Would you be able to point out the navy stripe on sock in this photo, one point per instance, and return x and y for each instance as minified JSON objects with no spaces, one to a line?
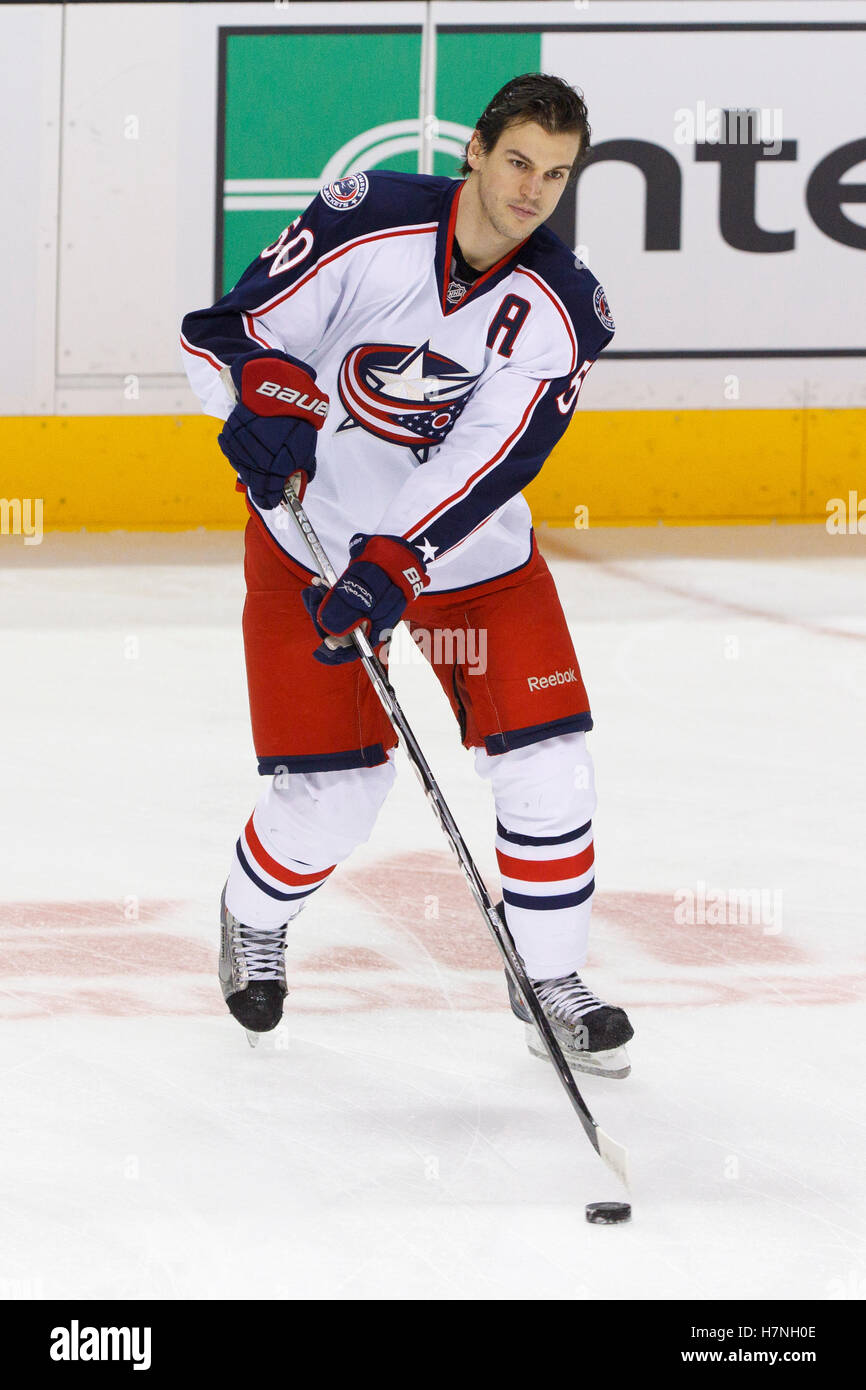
{"x":266,"y":887}
{"x":516,"y":839}
{"x":548,"y":904}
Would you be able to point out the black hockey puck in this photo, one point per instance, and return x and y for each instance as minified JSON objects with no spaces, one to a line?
{"x":607,"y":1213}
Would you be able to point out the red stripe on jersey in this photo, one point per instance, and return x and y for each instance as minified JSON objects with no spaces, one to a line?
{"x":425,"y":227}
{"x":521,"y":270}
{"x":449,"y":242}
{"x":200,"y":352}
{"x":455,"y":496}
{"x":251,"y":330}
{"x":546,"y":870}
{"x":276,"y":870}
{"x":446,"y":271}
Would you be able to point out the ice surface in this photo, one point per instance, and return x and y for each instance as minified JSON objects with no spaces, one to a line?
{"x":394,"y":1138}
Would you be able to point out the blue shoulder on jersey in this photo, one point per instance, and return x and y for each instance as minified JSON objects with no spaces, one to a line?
{"x":377,"y":199}
{"x":355,"y":206}
{"x":574,"y":283}
{"x":363,"y":204}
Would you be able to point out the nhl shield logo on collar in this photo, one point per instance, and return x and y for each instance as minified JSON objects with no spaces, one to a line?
{"x":346,"y":193}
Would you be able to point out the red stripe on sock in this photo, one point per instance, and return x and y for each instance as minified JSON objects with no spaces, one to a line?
{"x":275,"y":869}
{"x":546,"y":870}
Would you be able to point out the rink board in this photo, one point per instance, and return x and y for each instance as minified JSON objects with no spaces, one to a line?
{"x":634,"y":467}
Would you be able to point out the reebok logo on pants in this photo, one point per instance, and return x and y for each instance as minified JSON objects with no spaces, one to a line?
{"x":555,"y":678}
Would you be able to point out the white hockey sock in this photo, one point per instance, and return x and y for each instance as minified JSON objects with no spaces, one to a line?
{"x":266,"y":892}
{"x":547,"y":886}
{"x":304,"y":824}
{"x":545,"y":800}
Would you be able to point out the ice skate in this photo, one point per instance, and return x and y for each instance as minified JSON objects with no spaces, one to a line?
{"x":252,"y":973}
{"x":591,"y":1033}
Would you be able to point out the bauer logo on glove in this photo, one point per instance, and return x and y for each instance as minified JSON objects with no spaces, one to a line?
{"x":271,"y":433}
{"x":414,"y":578}
{"x":285,"y":393}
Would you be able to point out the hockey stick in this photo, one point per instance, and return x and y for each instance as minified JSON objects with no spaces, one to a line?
{"x":613,"y":1154}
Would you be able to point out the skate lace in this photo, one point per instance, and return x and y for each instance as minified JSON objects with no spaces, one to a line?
{"x":568,"y":998}
{"x":261,"y":951}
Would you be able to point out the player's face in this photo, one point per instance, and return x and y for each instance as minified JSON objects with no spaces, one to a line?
{"x":521,"y":180}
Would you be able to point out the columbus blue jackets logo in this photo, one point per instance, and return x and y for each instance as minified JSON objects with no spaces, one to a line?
{"x":602,"y":308}
{"x":407,"y":395}
{"x":346,"y":193}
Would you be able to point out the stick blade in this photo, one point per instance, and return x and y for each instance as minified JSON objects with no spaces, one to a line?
{"x":614,"y":1155}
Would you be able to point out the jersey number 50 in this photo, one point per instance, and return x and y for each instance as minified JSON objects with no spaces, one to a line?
{"x":566,"y":401}
{"x":288,"y":253}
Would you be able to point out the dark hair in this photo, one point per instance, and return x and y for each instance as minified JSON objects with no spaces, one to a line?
{"x":539,"y":97}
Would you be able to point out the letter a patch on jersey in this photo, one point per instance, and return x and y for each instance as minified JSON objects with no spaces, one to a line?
{"x":507,"y":323}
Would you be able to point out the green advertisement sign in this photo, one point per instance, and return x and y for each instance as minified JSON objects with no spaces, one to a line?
{"x":302,"y":107}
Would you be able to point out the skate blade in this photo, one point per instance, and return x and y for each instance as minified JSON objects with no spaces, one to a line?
{"x":252,"y":1038}
{"x":614,"y":1063}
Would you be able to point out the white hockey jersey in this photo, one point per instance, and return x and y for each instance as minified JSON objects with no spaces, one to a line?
{"x":443,"y":407}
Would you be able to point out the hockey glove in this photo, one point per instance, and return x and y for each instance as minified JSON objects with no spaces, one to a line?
{"x":271,"y":433}
{"x":384,"y":574}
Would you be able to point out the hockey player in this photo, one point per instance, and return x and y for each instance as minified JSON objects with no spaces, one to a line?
{"x":413,"y":347}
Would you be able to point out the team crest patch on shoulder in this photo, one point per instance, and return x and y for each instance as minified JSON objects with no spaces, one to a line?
{"x":602,"y":308}
{"x":346,"y":193}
